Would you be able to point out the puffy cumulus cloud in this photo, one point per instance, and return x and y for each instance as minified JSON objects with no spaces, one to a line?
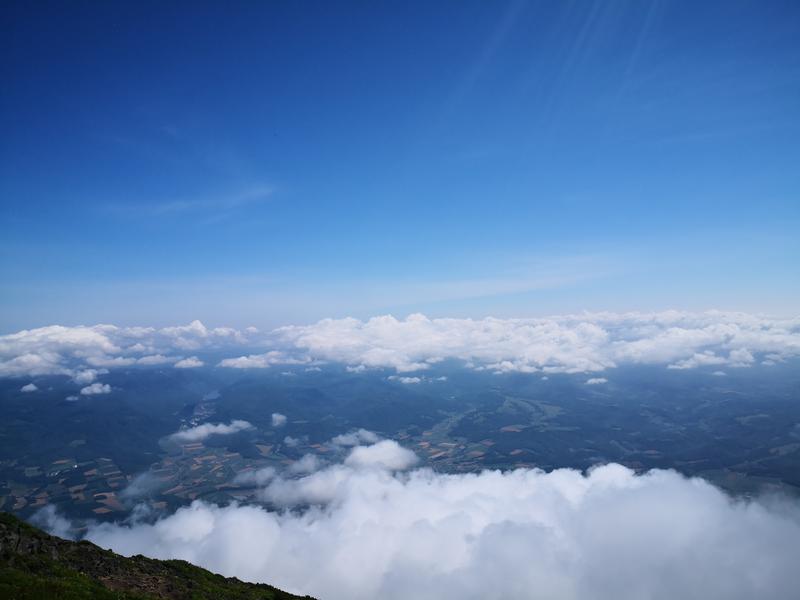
{"x":201,"y":432}
{"x":357,"y":532}
{"x":29,"y":387}
{"x":87,"y":376}
{"x":196,"y":335}
{"x":569,"y":344}
{"x":386,"y":454}
{"x":262,"y":361}
{"x":45,"y":351}
{"x":26,"y":365}
{"x":699,"y":359}
{"x":307,"y":464}
{"x":278,"y":420}
{"x":58,"y":350}
{"x":96,"y":389}
{"x":256,"y":477}
{"x":596,"y":381}
{"x":355,"y":438}
{"x":189,"y":363}
{"x":318,"y":486}
{"x":404,"y":379}
{"x":291,"y":442}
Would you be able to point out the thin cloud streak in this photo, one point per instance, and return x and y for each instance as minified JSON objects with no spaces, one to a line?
{"x":217,"y":205}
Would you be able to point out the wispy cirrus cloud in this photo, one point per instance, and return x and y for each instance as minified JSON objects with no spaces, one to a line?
{"x":198,"y":205}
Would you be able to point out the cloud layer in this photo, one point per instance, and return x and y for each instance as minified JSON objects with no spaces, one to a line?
{"x":58,"y":350}
{"x":568,"y":344}
{"x":586,"y":343}
{"x":372,"y":532}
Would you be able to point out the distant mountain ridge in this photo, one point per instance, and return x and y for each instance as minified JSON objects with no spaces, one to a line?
{"x":35,"y":565}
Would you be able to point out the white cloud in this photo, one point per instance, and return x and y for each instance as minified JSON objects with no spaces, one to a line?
{"x":47,"y":518}
{"x":261,"y":361}
{"x":189,"y":363}
{"x":109,"y":361}
{"x":30,"y":365}
{"x":386,"y":454}
{"x":596,"y":380}
{"x":699,"y":359}
{"x":96,"y":389}
{"x":584,"y":343}
{"x":88,"y":376}
{"x":741,"y":357}
{"x":58,"y":350}
{"x":355,"y":438}
{"x":201,"y":432}
{"x":278,"y":420}
{"x":307,"y":464}
{"x":143,"y":485}
{"x":357,"y":532}
{"x":291,"y":442}
{"x":28,"y":387}
{"x":195,"y":335}
{"x":156,"y":359}
{"x":404,"y":379}
{"x":43,"y":351}
{"x":588,"y":342}
{"x":259,"y":477}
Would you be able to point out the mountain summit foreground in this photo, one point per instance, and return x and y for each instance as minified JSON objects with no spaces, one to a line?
{"x":35,"y":565}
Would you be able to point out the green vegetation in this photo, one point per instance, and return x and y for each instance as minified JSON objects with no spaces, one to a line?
{"x":37,"y":566}
{"x":740,"y":431}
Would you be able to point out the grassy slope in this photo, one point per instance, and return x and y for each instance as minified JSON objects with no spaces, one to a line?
{"x":34,"y":565}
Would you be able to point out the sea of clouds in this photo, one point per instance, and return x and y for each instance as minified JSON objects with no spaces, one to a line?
{"x":585,"y":343}
{"x":370,"y":526}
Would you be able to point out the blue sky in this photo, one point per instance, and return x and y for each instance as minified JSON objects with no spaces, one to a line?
{"x":268,"y":163}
